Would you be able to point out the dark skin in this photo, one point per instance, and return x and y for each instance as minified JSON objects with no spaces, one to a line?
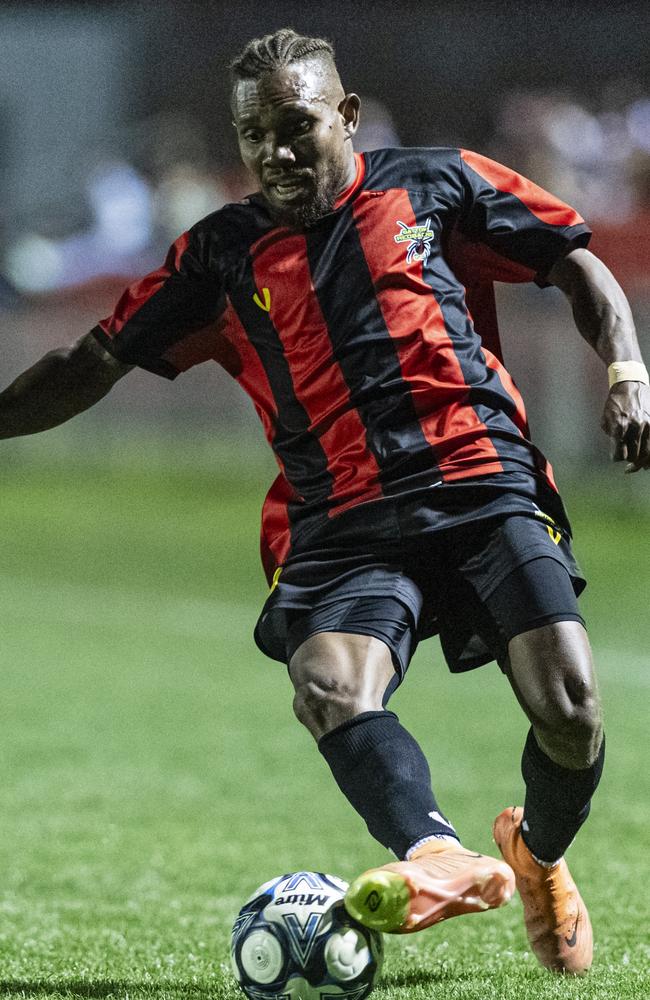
{"x":603,"y":317}
{"x":295,"y":128}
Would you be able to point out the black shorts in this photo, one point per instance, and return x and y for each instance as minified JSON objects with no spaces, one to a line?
{"x":477,"y":584}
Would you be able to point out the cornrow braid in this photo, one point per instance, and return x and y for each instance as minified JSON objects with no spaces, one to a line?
{"x":264,"y":55}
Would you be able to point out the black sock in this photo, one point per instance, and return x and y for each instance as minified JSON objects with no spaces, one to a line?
{"x":385,"y":776}
{"x":558,"y":800}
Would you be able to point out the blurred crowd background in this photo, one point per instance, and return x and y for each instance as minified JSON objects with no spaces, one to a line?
{"x":115,"y":136}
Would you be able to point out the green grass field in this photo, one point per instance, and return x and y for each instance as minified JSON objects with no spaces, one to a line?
{"x":153,"y":774}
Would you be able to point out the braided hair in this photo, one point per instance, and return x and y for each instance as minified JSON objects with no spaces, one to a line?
{"x":272,"y":52}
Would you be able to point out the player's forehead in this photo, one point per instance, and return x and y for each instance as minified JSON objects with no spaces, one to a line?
{"x":306,"y":85}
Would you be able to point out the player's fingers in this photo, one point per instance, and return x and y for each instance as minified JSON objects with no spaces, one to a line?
{"x":606,"y":421}
{"x":642,"y":458}
{"x":614,"y":422}
{"x":632,"y":439}
{"x":644,"y":446}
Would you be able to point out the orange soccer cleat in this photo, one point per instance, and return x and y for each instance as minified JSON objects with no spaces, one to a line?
{"x":557,"y":922}
{"x":440,"y":880}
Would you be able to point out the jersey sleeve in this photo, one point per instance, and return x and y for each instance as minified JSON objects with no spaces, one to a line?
{"x":524,"y":228}
{"x":165,"y":322}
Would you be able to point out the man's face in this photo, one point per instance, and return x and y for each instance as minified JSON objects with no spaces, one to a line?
{"x":294,"y":128}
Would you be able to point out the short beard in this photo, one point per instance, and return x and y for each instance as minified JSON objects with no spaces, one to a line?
{"x":309,"y":212}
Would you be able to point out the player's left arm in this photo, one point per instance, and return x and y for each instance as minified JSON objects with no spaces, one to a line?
{"x":603,"y":316}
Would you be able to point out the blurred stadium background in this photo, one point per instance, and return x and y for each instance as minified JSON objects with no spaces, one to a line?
{"x":115,"y":136}
{"x":130,"y":534}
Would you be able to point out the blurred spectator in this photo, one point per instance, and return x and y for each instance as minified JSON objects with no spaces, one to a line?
{"x":8,"y":295}
{"x":376,"y":126}
{"x":185,"y":194}
{"x":593,"y":156}
{"x":122,"y":225}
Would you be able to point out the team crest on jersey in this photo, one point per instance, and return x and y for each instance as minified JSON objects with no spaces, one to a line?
{"x":418,"y":238}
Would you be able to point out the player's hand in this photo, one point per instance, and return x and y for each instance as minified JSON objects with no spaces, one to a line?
{"x":626,"y":419}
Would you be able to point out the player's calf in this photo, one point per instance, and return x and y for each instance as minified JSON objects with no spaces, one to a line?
{"x":552,"y":674}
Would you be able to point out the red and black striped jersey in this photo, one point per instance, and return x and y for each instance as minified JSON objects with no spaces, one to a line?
{"x":368,"y":342}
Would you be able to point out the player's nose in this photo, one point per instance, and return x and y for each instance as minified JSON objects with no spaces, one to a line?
{"x":278,"y":155}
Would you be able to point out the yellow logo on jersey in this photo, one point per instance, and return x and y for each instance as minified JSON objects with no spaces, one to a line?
{"x":276,"y":579}
{"x":266,"y":305}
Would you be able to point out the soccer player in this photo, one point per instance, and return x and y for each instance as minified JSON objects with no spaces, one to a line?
{"x":410,"y":499}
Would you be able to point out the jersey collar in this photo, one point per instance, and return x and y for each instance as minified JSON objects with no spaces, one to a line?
{"x":352,"y":188}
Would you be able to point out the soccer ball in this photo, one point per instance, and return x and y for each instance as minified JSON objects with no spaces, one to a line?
{"x":294,"y":940}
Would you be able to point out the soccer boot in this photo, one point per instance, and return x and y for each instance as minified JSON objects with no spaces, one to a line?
{"x":557,"y":922}
{"x":440,"y":880}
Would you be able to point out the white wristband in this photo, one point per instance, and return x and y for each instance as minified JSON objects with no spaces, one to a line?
{"x":627,"y":371}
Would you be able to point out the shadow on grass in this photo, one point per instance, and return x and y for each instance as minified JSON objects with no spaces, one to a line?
{"x":419,"y":977}
{"x":89,"y":988}
{"x":102,"y":988}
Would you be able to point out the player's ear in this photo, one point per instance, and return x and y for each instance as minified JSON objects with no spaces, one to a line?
{"x":349,"y":112}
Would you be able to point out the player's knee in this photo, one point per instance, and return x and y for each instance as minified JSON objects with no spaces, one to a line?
{"x":571,"y":727}
{"x":337,"y":677}
{"x":553,"y":673}
{"x":321,"y":704}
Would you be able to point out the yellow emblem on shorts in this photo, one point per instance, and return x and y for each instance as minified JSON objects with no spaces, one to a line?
{"x":555,"y":535}
{"x":554,"y":532}
{"x":276,"y":578}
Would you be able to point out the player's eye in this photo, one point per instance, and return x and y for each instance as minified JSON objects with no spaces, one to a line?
{"x":252,"y":135}
{"x":302,"y":126}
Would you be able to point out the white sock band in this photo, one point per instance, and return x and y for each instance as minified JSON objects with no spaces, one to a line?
{"x":425,"y":840}
{"x":546,"y":864}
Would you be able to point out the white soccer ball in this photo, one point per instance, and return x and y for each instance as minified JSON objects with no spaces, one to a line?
{"x":293,"y":939}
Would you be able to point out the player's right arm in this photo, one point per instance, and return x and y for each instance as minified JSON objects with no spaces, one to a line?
{"x":61,"y":384}
{"x":164,"y":323}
